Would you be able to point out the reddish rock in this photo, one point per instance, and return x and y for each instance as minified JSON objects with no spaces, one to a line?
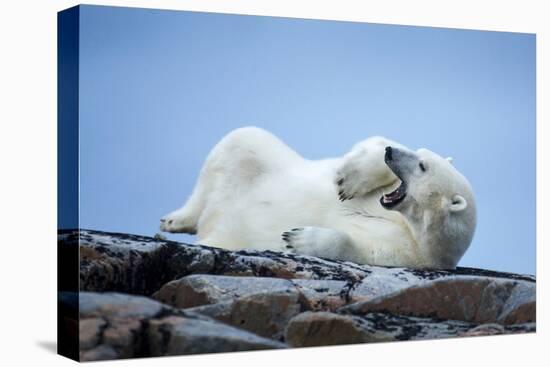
{"x":472,"y":299}
{"x":265,"y":314}
{"x":115,"y":326}
{"x":199,"y":290}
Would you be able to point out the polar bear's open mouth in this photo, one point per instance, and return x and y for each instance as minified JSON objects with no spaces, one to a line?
{"x":395,"y":197}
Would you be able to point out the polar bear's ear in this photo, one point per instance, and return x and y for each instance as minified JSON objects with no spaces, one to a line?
{"x":458,"y":203}
{"x":450,"y":160}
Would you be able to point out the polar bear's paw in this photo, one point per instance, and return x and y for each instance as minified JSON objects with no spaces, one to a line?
{"x":320,"y":242}
{"x":347,"y":188}
{"x":290,"y":236}
{"x":177,"y":222}
{"x":304,"y":240}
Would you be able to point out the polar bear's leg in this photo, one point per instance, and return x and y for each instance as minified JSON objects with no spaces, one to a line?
{"x":185,"y":219}
{"x":364,"y":170}
{"x":231,"y":167}
{"x":321,"y":242}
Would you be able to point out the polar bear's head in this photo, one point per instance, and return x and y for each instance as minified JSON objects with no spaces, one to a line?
{"x":436,"y":200}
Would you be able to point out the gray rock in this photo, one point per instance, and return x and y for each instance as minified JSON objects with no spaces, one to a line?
{"x":141,"y":265}
{"x":472,"y":299}
{"x":117,"y":305}
{"x":497,"y":329}
{"x":100,"y":353}
{"x":132,"y":264}
{"x":177,"y":335}
{"x":485,"y":329}
{"x":114,"y":326}
{"x":521,"y":305}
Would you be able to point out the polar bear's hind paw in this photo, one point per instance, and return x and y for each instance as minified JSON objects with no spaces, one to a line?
{"x":177,"y":223}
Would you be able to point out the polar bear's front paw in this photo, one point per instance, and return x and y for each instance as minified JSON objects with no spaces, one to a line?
{"x":320,"y":242}
{"x":350,"y":184}
{"x":288,"y":237}
{"x":301,"y":240}
{"x":346,"y":189}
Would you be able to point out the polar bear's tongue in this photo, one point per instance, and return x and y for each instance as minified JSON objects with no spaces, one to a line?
{"x":394,"y":197}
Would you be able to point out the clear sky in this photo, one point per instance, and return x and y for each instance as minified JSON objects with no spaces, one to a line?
{"x":158,"y":89}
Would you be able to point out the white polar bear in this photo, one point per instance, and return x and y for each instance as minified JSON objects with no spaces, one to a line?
{"x":380,"y":204}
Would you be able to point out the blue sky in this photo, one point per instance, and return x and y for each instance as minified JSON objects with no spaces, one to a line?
{"x":159,"y":88}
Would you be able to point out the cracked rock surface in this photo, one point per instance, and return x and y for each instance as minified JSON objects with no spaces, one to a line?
{"x":115,"y":325}
{"x":143,"y":296}
{"x":469,"y":298}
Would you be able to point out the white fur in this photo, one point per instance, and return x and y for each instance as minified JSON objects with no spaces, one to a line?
{"x":253,"y":189}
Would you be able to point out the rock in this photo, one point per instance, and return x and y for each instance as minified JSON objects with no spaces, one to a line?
{"x":259,"y":305}
{"x":521,"y":305}
{"x":325,"y":328}
{"x":111,"y":324}
{"x":90,"y":330}
{"x":141,"y":265}
{"x":485,"y":329}
{"x":198,"y":290}
{"x":177,"y":335}
{"x":214,"y":300}
{"x":201,"y":289}
{"x":265,"y":314}
{"x":100,"y":353}
{"x":497,"y":329}
{"x":116,"y":305}
{"x":114,"y":325}
{"x":327,"y":295}
{"x":472,"y":299}
{"x":132,"y":264}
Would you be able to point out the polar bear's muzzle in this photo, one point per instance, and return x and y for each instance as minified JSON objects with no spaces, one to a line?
{"x":400,"y":162}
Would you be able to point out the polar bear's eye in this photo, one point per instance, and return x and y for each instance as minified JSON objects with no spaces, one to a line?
{"x":422,"y":167}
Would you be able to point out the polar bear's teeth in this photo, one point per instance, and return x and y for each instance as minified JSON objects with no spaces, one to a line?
{"x":391,"y":195}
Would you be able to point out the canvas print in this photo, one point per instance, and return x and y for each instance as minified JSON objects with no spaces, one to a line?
{"x":236,"y":183}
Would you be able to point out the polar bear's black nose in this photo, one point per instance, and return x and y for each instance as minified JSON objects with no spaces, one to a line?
{"x":388,"y":156}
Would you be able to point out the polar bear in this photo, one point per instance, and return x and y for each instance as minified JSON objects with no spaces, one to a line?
{"x":380,"y":204}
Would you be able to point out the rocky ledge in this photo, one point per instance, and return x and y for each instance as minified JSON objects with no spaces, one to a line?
{"x":142,"y":296}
